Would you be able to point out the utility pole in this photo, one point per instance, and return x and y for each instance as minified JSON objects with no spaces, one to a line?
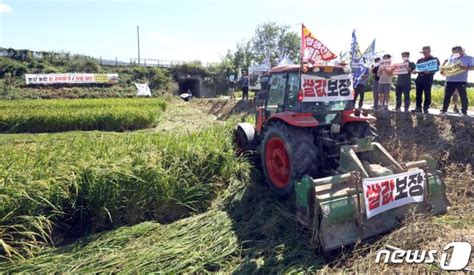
{"x":138,"y":43}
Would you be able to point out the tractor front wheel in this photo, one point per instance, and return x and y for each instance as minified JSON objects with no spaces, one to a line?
{"x":288,"y":153}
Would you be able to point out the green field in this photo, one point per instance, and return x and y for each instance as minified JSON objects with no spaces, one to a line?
{"x":36,"y":116}
{"x":55,"y":186}
{"x":174,"y":198}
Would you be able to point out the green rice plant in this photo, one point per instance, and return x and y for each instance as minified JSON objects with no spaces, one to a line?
{"x":59,"y":186}
{"x":254,"y":233}
{"x":88,"y":114}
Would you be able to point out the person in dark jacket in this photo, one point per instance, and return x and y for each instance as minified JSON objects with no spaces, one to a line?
{"x":424,"y":81}
{"x":376,"y":82}
{"x":403,"y":86}
{"x":245,"y":86}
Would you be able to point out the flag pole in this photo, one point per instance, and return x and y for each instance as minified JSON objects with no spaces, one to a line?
{"x":301,"y":61}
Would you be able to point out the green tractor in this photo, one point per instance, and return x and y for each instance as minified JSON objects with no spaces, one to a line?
{"x":312,"y":143}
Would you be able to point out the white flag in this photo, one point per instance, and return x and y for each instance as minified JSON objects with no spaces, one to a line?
{"x":142,"y":89}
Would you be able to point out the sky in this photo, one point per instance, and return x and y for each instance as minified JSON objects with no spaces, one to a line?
{"x":185,"y":30}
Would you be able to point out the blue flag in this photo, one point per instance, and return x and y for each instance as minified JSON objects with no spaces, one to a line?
{"x":369,"y":53}
{"x":355,"y":49}
{"x":357,"y":60}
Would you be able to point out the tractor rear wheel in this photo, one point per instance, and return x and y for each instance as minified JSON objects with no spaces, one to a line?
{"x":288,"y":153}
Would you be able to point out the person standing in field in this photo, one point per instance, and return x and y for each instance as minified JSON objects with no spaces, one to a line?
{"x":403,"y":86}
{"x":459,"y":81}
{"x":359,"y":90}
{"x":376,"y":82}
{"x":385,"y":72}
{"x":424,"y":81}
{"x":231,"y":87}
{"x":456,"y":93}
{"x":245,"y":86}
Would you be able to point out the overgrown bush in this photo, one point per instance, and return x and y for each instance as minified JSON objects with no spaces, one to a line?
{"x":13,"y":67}
{"x":84,"y":65}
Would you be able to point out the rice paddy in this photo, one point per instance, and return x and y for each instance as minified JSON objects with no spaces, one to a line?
{"x":44,"y":116}
{"x":54,"y":187}
{"x":180,"y":201}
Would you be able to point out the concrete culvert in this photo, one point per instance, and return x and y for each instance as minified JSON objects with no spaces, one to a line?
{"x":190,"y":84}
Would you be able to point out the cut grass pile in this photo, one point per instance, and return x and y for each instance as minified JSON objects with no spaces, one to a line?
{"x":36,"y":116}
{"x":54,"y":187}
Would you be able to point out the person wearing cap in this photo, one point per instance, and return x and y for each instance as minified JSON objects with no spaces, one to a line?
{"x":403,"y":86}
{"x":424,"y":81}
{"x":385,"y":82}
{"x":376,"y":82}
{"x":459,"y":81}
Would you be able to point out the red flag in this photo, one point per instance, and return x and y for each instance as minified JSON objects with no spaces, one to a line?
{"x":312,"y":50}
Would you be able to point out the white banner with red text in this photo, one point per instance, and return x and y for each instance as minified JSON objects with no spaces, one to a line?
{"x":400,"y":68}
{"x":71,"y":78}
{"x":317,"y":88}
{"x":388,"y":192}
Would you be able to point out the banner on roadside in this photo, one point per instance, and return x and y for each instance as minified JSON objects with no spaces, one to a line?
{"x":70,"y":78}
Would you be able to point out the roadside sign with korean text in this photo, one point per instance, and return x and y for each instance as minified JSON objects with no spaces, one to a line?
{"x":71,"y":78}
{"x":388,"y":192}
{"x":336,"y":88}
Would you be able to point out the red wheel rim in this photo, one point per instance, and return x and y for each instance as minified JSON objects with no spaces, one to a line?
{"x":277,"y":162}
